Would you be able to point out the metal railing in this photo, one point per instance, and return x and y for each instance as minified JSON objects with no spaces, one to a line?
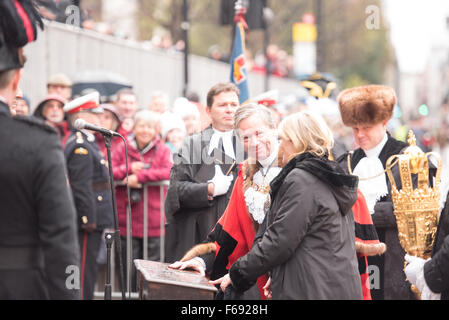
{"x":116,"y":294}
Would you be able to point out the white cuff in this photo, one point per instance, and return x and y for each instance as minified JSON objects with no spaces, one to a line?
{"x":203,"y":264}
{"x":426,"y":293}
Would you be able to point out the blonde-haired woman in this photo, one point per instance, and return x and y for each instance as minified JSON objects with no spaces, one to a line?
{"x":308,"y":245}
{"x":304,"y":132}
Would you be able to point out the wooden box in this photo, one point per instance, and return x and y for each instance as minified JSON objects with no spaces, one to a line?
{"x":158,"y":282}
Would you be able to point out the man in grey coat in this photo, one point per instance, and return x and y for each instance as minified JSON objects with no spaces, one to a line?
{"x":199,"y":189}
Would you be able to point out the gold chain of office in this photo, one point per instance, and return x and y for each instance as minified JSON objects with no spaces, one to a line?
{"x":372,"y":177}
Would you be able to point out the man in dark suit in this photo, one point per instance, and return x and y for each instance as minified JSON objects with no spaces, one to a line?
{"x":39,"y":254}
{"x":199,"y":189}
{"x":89,"y":180}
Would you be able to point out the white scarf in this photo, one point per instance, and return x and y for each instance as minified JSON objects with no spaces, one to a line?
{"x":370,"y":166}
{"x":227,"y":142}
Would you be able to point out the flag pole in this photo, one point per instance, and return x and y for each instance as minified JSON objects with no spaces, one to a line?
{"x":238,"y":60}
{"x":240,"y":12}
{"x":185,"y":25}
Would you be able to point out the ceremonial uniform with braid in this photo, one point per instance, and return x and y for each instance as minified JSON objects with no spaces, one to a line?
{"x":39,"y":256}
{"x":89,"y":181}
{"x":37,"y":221}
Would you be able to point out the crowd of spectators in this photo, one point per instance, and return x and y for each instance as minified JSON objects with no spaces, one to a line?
{"x":280,"y":63}
{"x":152,"y":133}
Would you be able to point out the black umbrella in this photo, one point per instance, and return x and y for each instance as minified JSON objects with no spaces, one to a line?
{"x":105,"y":82}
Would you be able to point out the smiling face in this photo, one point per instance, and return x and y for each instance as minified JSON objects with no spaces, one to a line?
{"x":367,"y":136}
{"x":144,"y":131}
{"x":127,"y":105}
{"x":257,"y":137}
{"x":223,"y":110}
{"x":22,"y":107}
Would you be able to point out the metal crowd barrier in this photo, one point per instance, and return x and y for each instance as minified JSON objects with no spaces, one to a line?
{"x":128,"y":264}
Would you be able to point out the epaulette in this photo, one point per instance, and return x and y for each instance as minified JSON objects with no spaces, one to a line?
{"x":36,"y":122}
{"x":76,"y":137}
{"x":76,"y":144}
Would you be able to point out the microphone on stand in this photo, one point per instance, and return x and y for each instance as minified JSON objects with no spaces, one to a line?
{"x":115,"y":236}
{"x":82,"y":124}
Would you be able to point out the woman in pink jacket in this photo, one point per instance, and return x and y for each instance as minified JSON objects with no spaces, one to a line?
{"x":149,"y":159}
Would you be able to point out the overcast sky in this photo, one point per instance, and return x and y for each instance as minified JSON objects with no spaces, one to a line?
{"x":416,"y":25}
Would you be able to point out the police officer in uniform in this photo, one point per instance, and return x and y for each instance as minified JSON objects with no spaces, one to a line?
{"x":39,"y":253}
{"x":89,"y":181}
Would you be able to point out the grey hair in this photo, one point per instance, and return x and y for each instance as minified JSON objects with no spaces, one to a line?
{"x":248,"y":109}
{"x":147,"y":116}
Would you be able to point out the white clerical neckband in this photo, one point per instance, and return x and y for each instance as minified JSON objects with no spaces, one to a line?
{"x":226,"y":137}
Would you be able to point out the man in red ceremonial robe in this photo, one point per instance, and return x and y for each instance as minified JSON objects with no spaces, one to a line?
{"x":235,"y":231}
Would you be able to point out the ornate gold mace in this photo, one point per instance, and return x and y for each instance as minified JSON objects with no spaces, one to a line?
{"x":416,"y":207}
